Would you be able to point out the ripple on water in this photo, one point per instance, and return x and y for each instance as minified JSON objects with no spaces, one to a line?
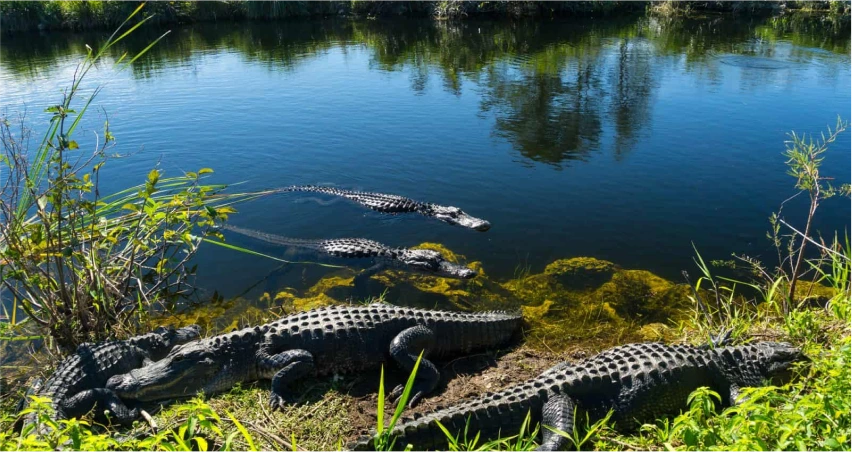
{"x":757,"y":62}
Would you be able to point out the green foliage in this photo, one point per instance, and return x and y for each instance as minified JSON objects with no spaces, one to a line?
{"x":200,"y":430}
{"x":84,"y":266}
{"x":524,"y":440}
{"x":384,"y":434}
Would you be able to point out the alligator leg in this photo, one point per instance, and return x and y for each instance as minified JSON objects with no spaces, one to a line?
{"x":101,"y":399}
{"x":557,"y":412}
{"x":405,"y":349}
{"x":288,"y":366}
{"x":361,"y":279}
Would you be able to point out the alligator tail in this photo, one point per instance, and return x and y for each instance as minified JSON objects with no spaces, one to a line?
{"x":275,"y":239}
{"x":485,"y":416}
{"x":20,"y":423}
{"x":292,"y":188}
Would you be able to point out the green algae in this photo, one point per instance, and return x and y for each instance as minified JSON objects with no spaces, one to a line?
{"x":580,"y":272}
{"x":572,"y":301}
{"x":218,"y":316}
{"x":641,"y":295}
{"x":814,"y":293}
{"x":584,"y":298}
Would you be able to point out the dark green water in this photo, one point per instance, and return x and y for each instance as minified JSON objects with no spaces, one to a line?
{"x":620,"y":139}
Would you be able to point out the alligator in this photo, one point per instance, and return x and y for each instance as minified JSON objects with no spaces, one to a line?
{"x":79,"y":382}
{"x":639,"y":382}
{"x":395,"y":204}
{"x":422,"y":261}
{"x":337,"y":339}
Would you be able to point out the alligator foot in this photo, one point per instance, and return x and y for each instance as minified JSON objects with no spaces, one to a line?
{"x":405,"y":348}
{"x":361,"y":280}
{"x":102,"y":400}
{"x":292,"y":365}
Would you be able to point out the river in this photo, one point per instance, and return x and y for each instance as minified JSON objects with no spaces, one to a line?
{"x":621,"y":139}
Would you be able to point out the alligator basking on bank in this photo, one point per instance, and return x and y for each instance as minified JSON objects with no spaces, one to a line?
{"x":323,"y":341}
{"x":639,"y":382}
{"x":395,"y":204}
{"x":421,"y":261}
{"x":79,"y":382}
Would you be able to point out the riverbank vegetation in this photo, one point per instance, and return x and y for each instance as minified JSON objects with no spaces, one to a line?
{"x":17,"y":16}
{"x":79,"y":265}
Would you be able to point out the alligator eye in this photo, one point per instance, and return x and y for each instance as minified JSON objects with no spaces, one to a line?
{"x":178,"y":358}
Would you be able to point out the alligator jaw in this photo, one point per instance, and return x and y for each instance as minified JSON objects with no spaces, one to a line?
{"x":780,"y":357}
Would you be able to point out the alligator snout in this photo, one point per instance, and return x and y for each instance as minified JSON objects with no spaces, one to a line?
{"x":450,"y":270}
{"x":482,"y":227}
{"x":467,"y":273}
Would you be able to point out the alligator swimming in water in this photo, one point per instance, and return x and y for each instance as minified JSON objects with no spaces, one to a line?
{"x":323,"y":341}
{"x":394,"y":204}
{"x":79,"y":382}
{"x":422,"y":261}
{"x":639,"y":382}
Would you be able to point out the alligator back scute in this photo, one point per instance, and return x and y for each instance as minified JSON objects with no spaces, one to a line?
{"x":377,"y":201}
{"x":641,"y":382}
{"x":355,"y":248}
{"x":351,"y":338}
{"x":388,"y":203}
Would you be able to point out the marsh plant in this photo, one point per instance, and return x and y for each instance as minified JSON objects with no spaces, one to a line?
{"x":79,"y":264}
{"x":800,"y":256}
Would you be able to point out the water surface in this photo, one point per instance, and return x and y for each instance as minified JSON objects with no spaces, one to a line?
{"x":622,"y":139}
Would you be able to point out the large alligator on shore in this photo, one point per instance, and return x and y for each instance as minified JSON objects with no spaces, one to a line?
{"x":323,"y":341}
{"x":395,"y":204}
{"x":79,"y":382}
{"x":639,"y":382}
{"x":421,"y":261}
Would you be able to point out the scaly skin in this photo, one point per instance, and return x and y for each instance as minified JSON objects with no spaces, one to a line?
{"x":395,"y":204}
{"x":78,"y":383}
{"x":421,"y":261}
{"x":639,"y":382}
{"x":329,"y":340}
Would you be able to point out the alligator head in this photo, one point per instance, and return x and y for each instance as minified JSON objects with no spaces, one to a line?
{"x":456,"y":216}
{"x":180,"y":335}
{"x":777,"y":360}
{"x":434,"y":263}
{"x":188,"y":369}
{"x":159,"y":342}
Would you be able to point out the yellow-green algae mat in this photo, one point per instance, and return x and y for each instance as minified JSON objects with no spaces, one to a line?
{"x":573,"y":301}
